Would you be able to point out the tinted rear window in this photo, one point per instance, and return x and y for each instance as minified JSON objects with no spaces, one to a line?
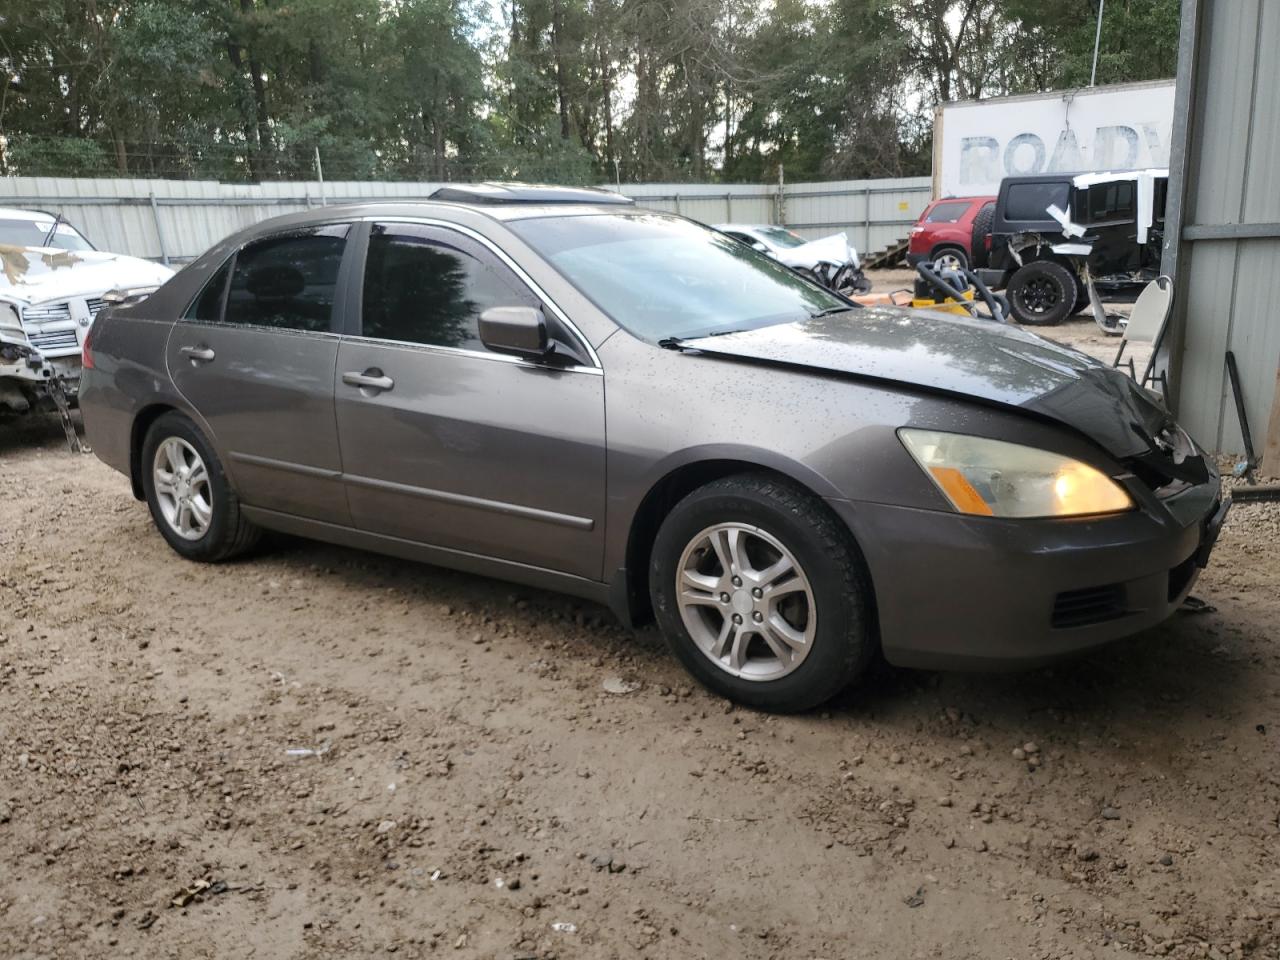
{"x":1028,"y":201}
{"x":208,"y":305}
{"x":947,"y":212}
{"x":1116,"y":200}
{"x":288,"y":280}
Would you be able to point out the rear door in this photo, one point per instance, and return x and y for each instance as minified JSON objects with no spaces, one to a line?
{"x":255,"y":357}
{"x":453,"y":445}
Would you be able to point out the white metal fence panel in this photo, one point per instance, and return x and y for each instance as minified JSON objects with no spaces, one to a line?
{"x":179,"y":219}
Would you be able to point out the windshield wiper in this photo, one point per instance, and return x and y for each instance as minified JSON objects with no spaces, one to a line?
{"x":52,"y":230}
{"x":829,"y":311}
{"x":677,"y":343}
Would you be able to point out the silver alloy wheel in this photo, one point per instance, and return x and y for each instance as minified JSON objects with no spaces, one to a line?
{"x":947,"y":260}
{"x":746,"y":602}
{"x":182,"y":488}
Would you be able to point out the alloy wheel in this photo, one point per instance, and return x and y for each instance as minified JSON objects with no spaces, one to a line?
{"x":182,"y":488}
{"x":1040,"y":295}
{"x":746,"y":602}
{"x":947,"y":261}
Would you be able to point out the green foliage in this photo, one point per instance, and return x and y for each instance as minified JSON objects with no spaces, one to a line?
{"x":561,"y":90}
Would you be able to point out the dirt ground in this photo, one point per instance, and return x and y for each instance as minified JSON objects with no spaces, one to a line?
{"x":469,"y":785}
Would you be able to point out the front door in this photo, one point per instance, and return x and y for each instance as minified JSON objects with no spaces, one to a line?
{"x":448,"y":444}
{"x":255,"y":357}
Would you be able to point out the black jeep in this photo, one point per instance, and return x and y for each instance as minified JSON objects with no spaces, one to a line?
{"x":1051,"y":233}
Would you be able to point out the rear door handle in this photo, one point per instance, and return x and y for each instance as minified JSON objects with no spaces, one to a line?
{"x":372,"y":379}
{"x":198,"y":354}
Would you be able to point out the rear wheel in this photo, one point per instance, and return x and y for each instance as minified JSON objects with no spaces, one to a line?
{"x":762,"y":594}
{"x":950,"y":258}
{"x":1042,"y":293}
{"x":191,"y":502}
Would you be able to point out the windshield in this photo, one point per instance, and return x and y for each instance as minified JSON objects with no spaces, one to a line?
{"x":781,"y":237}
{"x":30,"y":232}
{"x":661,"y":277}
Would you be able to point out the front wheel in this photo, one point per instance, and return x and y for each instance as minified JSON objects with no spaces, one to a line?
{"x":191,"y":501}
{"x":762,"y":594}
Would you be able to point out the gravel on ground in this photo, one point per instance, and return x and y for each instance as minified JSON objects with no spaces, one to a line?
{"x":317,"y":752}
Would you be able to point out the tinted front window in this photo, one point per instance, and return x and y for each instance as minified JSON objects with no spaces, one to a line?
{"x":947,"y":212}
{"x":1029,"y":201}
{"x":423,"y":285}
{"x":664,"y":277}
{"x":287,"y":280}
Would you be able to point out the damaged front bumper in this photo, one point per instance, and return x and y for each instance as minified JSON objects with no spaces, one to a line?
{"x":32,"y":383}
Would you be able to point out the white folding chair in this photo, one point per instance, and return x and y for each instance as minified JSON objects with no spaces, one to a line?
{"x":1147,"y":323}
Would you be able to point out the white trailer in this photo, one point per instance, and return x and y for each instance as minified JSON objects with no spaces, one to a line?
{"x":977,"y":143}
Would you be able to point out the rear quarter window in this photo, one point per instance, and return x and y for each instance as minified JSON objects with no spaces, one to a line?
{"x":1029,"y":201}
{"x":947,"y":212}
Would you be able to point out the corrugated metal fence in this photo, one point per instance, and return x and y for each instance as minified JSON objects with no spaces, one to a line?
{"x":1224,"y":256}
{"x":179,"y":219}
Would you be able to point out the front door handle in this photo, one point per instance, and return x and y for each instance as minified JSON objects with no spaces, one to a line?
{"x":199,"y":354}
{"x":372,"y":379}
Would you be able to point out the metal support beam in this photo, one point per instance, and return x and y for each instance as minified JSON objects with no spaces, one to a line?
{"x":155,"y":214}
{"x":1181,"y":174}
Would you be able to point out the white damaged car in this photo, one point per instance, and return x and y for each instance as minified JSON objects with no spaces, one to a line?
{"x":52,"y":285}
{"x":831,"y":261}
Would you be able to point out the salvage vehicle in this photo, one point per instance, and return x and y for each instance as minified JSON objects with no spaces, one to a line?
{"x":944,"y":234}
{"x":831,"y":261}
{"x":633,"y":408}
{"x":1052,"y":234}
{"x":53,"y":283}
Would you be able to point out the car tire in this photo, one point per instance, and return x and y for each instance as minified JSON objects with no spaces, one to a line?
{"x":191,"y":501}
{"x":1042,"y":293}
{"x":1082,"y":298}
{"x":949,"y":258}
{"x":982,"y":221}
{"x":818,"y":614}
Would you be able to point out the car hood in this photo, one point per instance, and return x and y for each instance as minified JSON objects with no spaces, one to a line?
{"x":36,"y":274}
{"x":833,"y":249}
{"x":977,"y":359}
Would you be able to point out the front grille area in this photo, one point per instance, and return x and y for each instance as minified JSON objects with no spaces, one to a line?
{"x":95,"y":304}
{"x":54,"y":340}
{"x":1080,"y":608}
{"x":46,"y":312}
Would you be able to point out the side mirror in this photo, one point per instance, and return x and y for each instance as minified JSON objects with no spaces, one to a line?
{"x":518,"y":330}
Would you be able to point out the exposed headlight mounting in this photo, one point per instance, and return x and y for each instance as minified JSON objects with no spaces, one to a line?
{"x":994,"y":478}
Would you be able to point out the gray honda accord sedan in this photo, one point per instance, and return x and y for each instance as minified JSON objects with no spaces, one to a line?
{"x":555,"y":388}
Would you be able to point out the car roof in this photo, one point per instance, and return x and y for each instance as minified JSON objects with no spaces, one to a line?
{"x":489,"y":194}
{"x":1096,"y":176}
{"x":21,"y":213}
{"x":467,"y":215}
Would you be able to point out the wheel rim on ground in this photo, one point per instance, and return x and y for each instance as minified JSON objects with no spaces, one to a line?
{"x":182,"y":488}
{"x":1040,"y":295}
{"x":947,"y":261}
{"x":746,"y":601}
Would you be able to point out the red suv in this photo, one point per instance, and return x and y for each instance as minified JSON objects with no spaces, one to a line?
{"x":946,"y":230}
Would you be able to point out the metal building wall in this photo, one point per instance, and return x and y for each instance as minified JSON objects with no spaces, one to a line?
{"x":1224,"y":221}
{"x":181,"y":219}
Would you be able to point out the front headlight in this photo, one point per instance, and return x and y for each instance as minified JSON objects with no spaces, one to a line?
{"x":992,"y":478}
